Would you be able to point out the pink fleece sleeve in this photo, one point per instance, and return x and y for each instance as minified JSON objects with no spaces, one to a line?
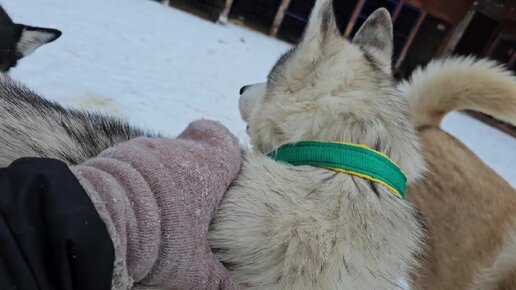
{"x":158,"y":197}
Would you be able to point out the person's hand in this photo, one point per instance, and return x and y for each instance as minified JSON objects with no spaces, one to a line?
{"x":157,"y":197}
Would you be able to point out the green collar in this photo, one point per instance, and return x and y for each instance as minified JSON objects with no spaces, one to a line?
{"x":354,"y":159}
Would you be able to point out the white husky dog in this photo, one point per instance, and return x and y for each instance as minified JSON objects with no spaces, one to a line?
{"x":281,"y":226}
{"x":286,"y":227}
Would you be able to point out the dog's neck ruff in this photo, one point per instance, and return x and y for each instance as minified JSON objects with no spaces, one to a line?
{"x":353,"y":159}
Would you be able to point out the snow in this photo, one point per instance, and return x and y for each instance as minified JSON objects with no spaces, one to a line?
{"x":161,"y":68}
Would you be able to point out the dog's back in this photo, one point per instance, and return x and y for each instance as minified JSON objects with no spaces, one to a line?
{"x":470,"y":211}
{"x":31,"y":126}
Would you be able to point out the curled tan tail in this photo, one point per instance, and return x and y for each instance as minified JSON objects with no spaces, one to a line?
{"x":460,"y":83}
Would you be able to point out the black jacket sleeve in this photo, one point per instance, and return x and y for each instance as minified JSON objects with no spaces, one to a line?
{"x":51,"y":236}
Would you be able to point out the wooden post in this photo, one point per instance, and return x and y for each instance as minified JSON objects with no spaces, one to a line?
{"x":410,"y":39}
{"x":457,"y":34}
{"x":224,"y":16}
{"x":396,"y":11}
{"x":354,"y":17}
{"x":279,"y":17}
{"x":512,"y":61}
{"x":492,"y":46}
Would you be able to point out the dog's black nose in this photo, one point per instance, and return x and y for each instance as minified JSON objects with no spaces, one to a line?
{"x":242,"y":90}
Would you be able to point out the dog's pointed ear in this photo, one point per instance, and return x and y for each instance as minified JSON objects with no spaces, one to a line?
{"x":4,"y":17}
{"x":319,"y":34}
{"x":376,"y":35}
{"x":322,"y":26}
{"x":33,"y":37}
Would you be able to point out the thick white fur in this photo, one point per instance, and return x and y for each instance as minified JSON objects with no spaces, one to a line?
{"x":286,"y":227}
{"x":460,"y":83}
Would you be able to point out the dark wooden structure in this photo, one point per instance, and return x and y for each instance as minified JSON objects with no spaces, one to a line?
{"x":259,"y":14}
{"x":423,"y":29}
{"x":210,"y":9}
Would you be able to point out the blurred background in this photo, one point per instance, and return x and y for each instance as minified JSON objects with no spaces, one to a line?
{"x":162,"y":64}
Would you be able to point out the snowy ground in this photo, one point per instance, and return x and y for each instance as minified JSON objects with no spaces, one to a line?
{"x":162,"y":68}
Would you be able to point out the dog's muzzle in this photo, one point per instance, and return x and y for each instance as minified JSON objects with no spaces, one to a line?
{"x":250,"y":96}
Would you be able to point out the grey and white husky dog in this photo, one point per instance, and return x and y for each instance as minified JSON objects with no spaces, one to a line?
{"x":280,"y":226}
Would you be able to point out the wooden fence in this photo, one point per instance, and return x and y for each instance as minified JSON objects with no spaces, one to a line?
{"x":423,"y":29}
